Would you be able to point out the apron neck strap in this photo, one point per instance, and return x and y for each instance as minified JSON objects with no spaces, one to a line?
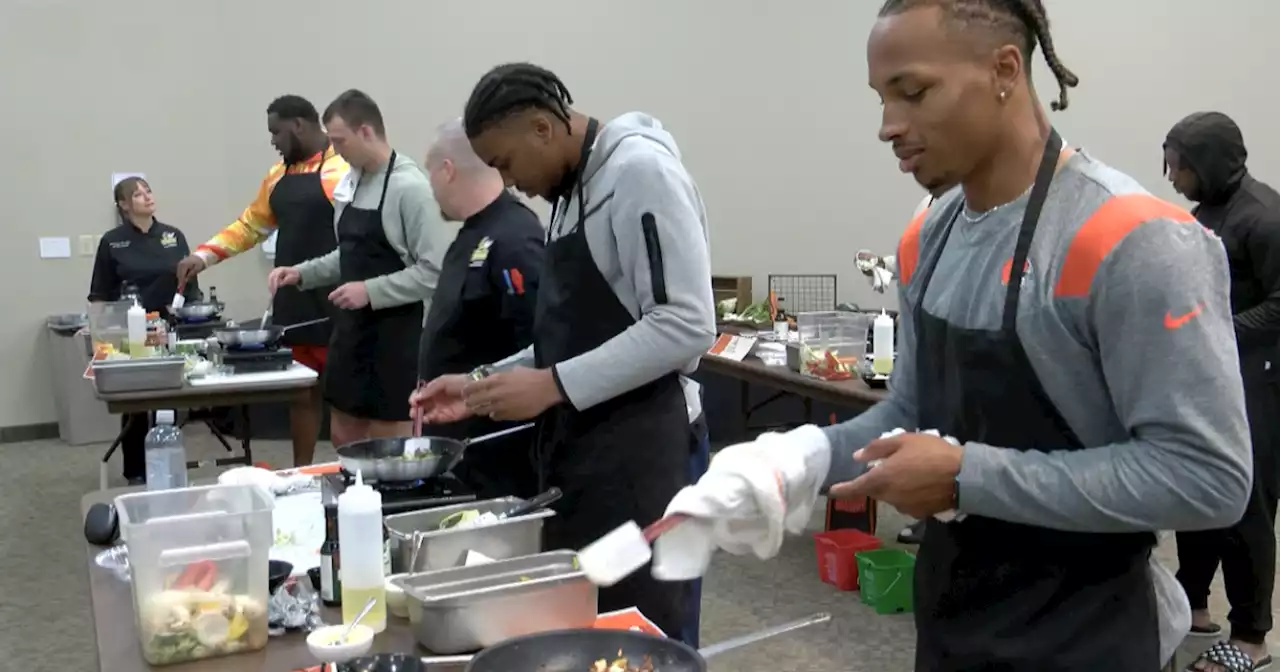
{"x":1030,"y":218}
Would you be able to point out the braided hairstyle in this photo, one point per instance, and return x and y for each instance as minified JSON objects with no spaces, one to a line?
{"x":1022,"y":21}
{"x":512,"y":88}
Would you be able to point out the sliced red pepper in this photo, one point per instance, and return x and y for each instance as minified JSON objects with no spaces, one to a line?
{"x":209,"y":576}
{"x":199,"y":575}
{"x":186,"y":577}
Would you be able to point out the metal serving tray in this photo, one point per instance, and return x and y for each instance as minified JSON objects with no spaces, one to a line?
{"x":465,"y":609}
{"x":442,"y":549}
{"x":114,"y":376}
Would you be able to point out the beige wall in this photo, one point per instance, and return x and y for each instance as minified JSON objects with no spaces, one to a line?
{"x":768,"y":101}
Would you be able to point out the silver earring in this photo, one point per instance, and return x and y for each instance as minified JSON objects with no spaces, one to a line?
{"x":1003,"y":94}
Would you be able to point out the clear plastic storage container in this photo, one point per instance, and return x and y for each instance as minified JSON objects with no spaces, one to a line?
{"x":832,"y":343}
{"x":109,"y":324}
{"x":198,"y":560}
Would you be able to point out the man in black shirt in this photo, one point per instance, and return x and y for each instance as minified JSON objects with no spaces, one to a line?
{"x":483,"y":307}
{"x":1205,"y":159}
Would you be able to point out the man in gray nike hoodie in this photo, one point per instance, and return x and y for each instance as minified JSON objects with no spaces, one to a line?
{"x":624,"y":310}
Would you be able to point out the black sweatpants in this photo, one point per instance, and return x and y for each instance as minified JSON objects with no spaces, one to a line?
{"x":1246,"y":550}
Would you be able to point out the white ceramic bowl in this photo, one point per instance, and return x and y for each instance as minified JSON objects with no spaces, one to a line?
{"x":322,"y":644}
{"x":397,"y":603}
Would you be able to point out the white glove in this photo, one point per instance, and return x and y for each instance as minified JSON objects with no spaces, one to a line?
{"x":949,"y":515}
{"x":881,"y":279}
{"x":750,"y":494}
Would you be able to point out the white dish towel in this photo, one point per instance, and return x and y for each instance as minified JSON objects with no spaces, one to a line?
{"x":750,"y":496}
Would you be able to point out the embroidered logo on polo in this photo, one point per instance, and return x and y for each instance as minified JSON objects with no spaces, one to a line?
{"x":481,"y":253}
{"x":169,"y":239}
{"x":1007,"y":268}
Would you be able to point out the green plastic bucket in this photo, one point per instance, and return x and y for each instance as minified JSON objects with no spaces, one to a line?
{"x":885,"y":579}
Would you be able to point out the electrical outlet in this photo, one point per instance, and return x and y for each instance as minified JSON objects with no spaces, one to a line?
{"x":88,"y":245}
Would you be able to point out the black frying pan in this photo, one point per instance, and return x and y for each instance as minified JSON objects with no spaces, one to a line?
{"x":578,"y":650}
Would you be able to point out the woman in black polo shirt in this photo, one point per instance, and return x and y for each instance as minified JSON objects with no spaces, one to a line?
{"x":142,"y":254}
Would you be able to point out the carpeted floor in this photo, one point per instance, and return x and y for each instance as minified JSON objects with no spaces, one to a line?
{"x":44,"y":605}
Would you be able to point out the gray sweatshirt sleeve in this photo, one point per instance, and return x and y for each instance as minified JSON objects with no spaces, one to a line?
{"x":421,"y":237}
{"x":320,"y":271}
{"x":523,"y":358}
{"x":898,"y":410}
{"x":655,"y":214}
{"x":1159,"y":318}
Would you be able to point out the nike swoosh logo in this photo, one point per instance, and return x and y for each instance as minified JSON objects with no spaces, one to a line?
{"x":1172,"y":321}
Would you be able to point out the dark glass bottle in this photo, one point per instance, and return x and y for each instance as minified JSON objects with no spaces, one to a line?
{"x":330,"y":560}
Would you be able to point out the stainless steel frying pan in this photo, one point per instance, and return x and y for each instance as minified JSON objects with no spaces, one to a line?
{"x":388,"y":459}
{"x":232,"y":337}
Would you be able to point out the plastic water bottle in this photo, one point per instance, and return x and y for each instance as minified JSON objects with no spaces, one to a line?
{"x":360,"y":538}
{"x":165,"y":455}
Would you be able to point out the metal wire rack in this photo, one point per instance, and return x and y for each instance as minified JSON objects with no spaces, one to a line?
{"x":804,"y":293}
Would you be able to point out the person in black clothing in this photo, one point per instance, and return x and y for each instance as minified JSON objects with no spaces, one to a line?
{"x":141,"y":253}
{"x":624,"y":311}
{"x":1204,"y":157}
{"x":483,"y":306}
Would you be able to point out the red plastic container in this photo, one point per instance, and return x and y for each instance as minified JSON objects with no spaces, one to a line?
{"x":835,"y":549}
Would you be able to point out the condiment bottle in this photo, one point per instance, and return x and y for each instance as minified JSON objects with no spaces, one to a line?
{"x":360,"y":532}
{"x":781,"y":328}
{"x":137,"y":321}
{"x":882,"y":344}
{"x":330,"y":559}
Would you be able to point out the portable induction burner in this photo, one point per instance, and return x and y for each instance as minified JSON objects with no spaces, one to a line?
{"x":401,"y":497}
{"x":193,"y":329}
{"x":257,"y":360}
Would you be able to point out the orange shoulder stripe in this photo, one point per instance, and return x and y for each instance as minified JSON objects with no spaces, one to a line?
{"x":1103,"y":231}
{"x":909,"y":248}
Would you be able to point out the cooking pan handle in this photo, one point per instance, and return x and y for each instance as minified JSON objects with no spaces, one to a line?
{"x":302,"y":324}
{"x":752,"y":638}
{"x":497,"y":434}
{"x":540,"y":501}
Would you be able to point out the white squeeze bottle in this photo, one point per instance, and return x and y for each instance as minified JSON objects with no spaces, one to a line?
{"x":360,"y":537}
{"x":137,"y":320}
{"x":882,"y":349}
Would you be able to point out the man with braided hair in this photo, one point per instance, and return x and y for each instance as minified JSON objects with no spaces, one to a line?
{"x":624,"y":309}
{"x":1066,"y":379}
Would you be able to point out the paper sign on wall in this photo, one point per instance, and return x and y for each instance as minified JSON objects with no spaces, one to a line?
{"x":117,"y":178}
{"x":55,"y":248}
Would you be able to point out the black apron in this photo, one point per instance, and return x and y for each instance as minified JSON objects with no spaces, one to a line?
{"x":304,"y":230}
{"x":620,"y":460}
{"x":994,"y":595}
{"x":372,"y":367}
{"x":454,"y":341}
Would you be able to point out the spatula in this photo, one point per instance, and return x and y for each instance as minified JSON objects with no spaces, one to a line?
{"x":417,"y":445}
{"x":618,"y":554}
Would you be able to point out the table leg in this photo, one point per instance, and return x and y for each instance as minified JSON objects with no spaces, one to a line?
{"x":217,"y":434}
{"x":244,"y":441}
{"x":245,"y":459}
{"x":106,"y":458}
